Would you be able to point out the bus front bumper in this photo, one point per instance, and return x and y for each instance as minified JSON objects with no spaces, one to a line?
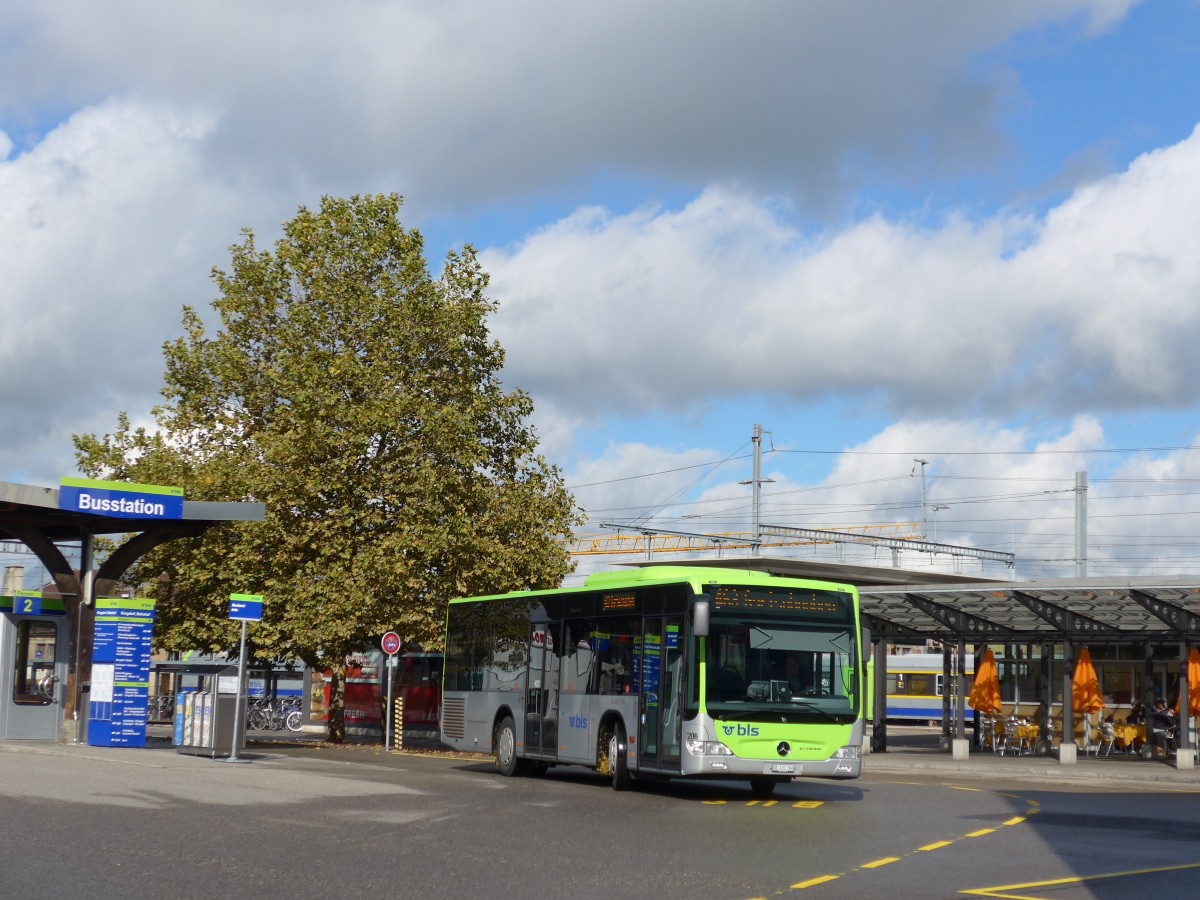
{"x":846,"y":764}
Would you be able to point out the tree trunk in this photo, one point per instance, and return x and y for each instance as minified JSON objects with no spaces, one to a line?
{"x":337,"y":704}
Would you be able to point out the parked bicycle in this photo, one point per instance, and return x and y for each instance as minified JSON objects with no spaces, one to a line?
{"x":162,"y":707}
{"x":267,"y":714}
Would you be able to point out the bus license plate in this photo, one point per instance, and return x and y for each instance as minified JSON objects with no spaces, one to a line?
{"x":781,"y":769}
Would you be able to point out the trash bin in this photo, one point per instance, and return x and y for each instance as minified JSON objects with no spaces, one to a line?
{"x":209,"y":718}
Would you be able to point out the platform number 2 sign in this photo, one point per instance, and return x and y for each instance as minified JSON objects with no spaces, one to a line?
{"x":27,"y":603}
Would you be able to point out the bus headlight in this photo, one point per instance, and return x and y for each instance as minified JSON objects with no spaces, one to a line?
{"x":852,"y":751}
{"x":707,"y":748}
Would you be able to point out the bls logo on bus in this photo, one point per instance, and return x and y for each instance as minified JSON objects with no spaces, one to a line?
{"x":740,"y":730}
{"x":577,"y":721}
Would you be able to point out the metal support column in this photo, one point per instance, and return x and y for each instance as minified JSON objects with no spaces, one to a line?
{"x":1148,"y":699}
{"x":1183,"y":726}
{"x":1068,"y":704}
{"x":947,"y":707}
{"x":1045,"y":692}
{"x":960,"y":691}
{"x":879,"y":698}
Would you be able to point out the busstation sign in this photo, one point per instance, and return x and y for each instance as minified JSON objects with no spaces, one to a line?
{"x":120,"y":499}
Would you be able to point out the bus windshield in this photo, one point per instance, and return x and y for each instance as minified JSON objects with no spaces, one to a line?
{"x":780,"y":665}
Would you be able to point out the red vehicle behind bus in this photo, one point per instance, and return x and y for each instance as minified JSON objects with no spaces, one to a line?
{"x":418,"y":684}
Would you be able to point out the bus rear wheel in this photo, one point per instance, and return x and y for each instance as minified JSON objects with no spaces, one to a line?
{"x":505,"y":745}
{"x":617,"y":767}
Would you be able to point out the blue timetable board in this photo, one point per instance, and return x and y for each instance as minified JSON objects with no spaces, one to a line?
{"x":120,"y":672}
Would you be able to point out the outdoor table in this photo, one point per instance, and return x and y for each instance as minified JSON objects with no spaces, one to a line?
{"x":1024,"y":734}
{"x":1129,"y":737}
{"x":1027,"y":734}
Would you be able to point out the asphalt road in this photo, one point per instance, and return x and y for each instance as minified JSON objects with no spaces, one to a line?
{"x":306,"y":821}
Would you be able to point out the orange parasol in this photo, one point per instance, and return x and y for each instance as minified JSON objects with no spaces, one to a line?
{"x":1085,"y":686}
{"x":1193,"y":682}
{"x":1085,"y":693}
{"x":985,"y":692}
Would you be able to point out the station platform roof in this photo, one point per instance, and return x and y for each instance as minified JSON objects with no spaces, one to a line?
{"x":912,"y":605}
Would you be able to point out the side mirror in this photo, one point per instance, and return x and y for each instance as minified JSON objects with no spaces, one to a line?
{"x":700,"y":608}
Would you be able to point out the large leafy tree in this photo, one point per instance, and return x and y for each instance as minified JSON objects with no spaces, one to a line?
{"x":359,"y":398}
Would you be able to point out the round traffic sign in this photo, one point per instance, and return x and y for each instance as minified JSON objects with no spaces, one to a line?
{"x":390,"y":643}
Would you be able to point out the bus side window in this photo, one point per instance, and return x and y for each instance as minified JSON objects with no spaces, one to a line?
{"x":616,"y":639}
{"x":579,"y":665}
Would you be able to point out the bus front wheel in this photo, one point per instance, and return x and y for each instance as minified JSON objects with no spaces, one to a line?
{"x":617,"y":767}
{"x":505,"y":745}
{"x":763,"y":786}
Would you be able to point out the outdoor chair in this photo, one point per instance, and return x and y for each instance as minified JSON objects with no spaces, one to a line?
{"x":987,"y":733}
{"x":1108,"y":737}
{"x":1054,"y":730}
{"x":1013,"y":741}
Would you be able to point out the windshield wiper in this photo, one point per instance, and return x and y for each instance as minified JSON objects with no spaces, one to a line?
{"x":808,"y":704}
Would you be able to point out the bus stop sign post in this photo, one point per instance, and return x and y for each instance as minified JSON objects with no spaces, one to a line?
{"x":391,"y":646}
{"x":247,"y":608}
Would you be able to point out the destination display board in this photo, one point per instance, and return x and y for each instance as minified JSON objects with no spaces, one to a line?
{"x":120,"y":688}
{"x":819,"y":604}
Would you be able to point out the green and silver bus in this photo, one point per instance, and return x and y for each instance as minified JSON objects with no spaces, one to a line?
{"x":661,"y":672}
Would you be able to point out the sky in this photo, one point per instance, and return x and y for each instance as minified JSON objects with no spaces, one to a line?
{"x":944,"y":255}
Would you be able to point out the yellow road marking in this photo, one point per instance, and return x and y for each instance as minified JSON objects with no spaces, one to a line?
{"x":1078,"y":879}
{"x":936,"y":845}
{"x":813,"y":882}
{"x":881,"y":862}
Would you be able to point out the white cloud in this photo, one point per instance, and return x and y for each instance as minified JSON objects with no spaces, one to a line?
{"x":1096,"y":310}
{"x":1116,"y":275}
{"x":107,"y":228}
{"x":466,"y":102}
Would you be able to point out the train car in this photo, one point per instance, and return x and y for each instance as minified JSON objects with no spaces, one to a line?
{"x":915,"y":687}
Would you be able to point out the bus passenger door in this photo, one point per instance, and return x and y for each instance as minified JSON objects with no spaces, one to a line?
{"x":541,"y":693}
{"x":660,"y":702}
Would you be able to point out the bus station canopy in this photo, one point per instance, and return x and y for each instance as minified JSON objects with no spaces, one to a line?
{"x":1111,"y":610}
{"x":25,"y":506}
{"x":907,"y":605}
